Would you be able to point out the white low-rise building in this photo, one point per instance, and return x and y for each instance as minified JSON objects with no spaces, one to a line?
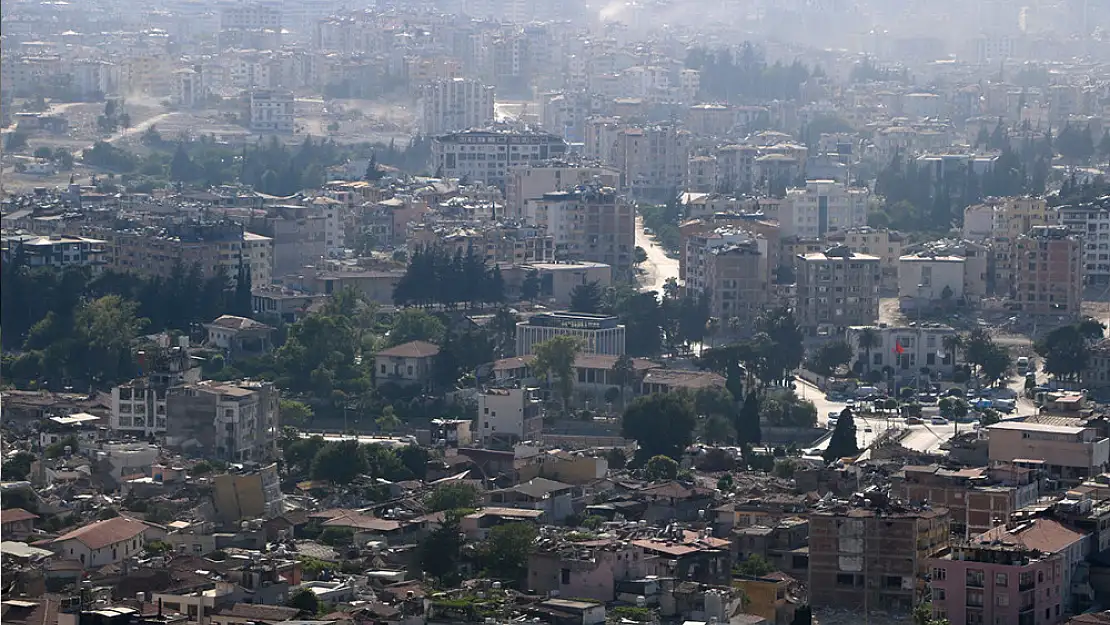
{"x":509,"y":415}
{"x":905,"y":348}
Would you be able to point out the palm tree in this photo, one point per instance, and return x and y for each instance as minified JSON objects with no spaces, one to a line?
{"x":952,"y":343}
{"x":868,"y":339}
{"x":712,"y":327}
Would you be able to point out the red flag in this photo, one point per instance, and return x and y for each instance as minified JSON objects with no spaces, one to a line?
{"x":898,"y":349}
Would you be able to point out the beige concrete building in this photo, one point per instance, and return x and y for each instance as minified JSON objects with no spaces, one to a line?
{"x":1049,"y":269}
{"x":886,"y":244}
{"x":499,"y":244}
{"x":532,"y":180}
{"x":454,"y":104}
{"x":925,"y":279}
{"x":1070,"y":452}
{"x":487,"y":155}
{"x":654,"y":159}
{"x":588,"y":223}
{"x":837,"y":289}
{"x":1000,"y":222}
{"x":737,"y":278}
{"x":558,"y":280}
{"x":258,"y":257}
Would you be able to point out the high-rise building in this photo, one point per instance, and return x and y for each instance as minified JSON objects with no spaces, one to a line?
{"x":1048,"y":268}
{"x":654,"y":159}
{"x":1090,"y":221}
{"x":588,"y":222}
{"x":487,"y":155}
{"x":837,"y":289}
{"x":453,"y":105}
{"x":532,"y":180}
{"x":821,"y":207}
{"x":873,"y":558}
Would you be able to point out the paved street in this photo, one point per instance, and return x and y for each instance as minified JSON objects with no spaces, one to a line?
{"x":658,"y":266}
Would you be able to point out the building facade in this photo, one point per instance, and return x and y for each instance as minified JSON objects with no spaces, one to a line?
{"x":487,"y":155}
{"x":907,"y":349}
{"x":588,"y":223}
{"x":823,"y":206}
{"x":1065,"y":452}
{"x":600,"y":334}
{"x":867,"y":558}
{"x":837,"y":289}
{"x":453,"y":105}
{"x":232,"y":421}
{"x":272,"y":112}
{"x":509,"y":415}
{"x":1049,"y":269}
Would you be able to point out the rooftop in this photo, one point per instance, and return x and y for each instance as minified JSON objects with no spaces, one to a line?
{"x":412,"y":349}
{"x":105,"y":533}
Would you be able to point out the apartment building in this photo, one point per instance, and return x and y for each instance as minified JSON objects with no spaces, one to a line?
{"x":258,"y":257}
{"x":588,"y":223}
{"x":1017,"y":572}
{"x":654,"y":159}
{"x":250,"y":16}
{"x":837,"y":288}
{"x":57,"y":251}
{"x":1001,"y":221}
{"x":886,"y":244}
{"x":487,"y":155}
{"x":927,"y":278}
{"x":823,"y":206}
{"x":232,"y":421}
{"x":736,"y":276}
{"x":272,"y":111}
{"x":978,"y":499}
{"x":214,"y":247}
{"x":534,"y":179}
{"x":247,"y":494}
{"x":600,"y":334}
{"x":509,"y":415}
{"x":907,"y":349}
{"x":696,"y":235}
{"x":873,"y":558}
{"x":138,"y":407}
{"x":1091,"y":223}
{"x":1065,"y":452}
{"x":1049,"y":270}
{"x":452,"y":105}
{"x":501,"y":244}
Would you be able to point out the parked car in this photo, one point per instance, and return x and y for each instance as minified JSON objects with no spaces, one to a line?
{"x":914,"y":421}
{"x":938,"y":421}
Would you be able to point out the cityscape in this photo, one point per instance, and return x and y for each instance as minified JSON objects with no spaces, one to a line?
{"x":576,"y":312}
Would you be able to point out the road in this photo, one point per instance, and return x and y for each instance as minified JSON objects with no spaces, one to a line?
{"x":658,"y":266}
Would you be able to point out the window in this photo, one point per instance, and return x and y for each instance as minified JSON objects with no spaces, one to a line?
{"x":1002,"y":600}
{"x":564,"y":576}
{"x":843,"y":579}
{"x":940,"y":594}
{"x":1001,"y":579}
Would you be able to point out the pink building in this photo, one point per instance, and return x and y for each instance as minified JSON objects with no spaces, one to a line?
{"x":585,"y":569}
{"x":1016,"y":575}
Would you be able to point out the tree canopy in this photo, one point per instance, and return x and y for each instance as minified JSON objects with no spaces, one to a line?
{"x":662,"y":424}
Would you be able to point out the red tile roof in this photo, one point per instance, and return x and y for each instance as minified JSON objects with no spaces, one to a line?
{"x":1044,"y":535}
{"x":14,"y":515}
{"x":104,"y":533}
{"x":412,"y":349}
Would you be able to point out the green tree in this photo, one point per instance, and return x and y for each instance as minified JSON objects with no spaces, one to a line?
{"x":440,"y":553}
{"x":337,"y":536}
{"x":867,"y":340}
{"x":830,"y":356}
{"x":662,"y":424}
{"x":555,"y":358}
{"x":661,"y":468}
{"x":755,"y":565}
{"x":452,"y":496}
{"x":18,"y":466}
{"x":952,"y":344}
{"x":624,"y":373}
{"x":530,"y":286}
{"x":639,"y":255}
{"x":413,"y":324}
{"x":340,"y":462}
{"x":843,"y":442}
{"x":306,"y":601}
{"x":586,"y":297}
{"x":923,"y":615}
{"x":748,"y":428}
{"x":505,"y":552}
{"x":295,"y":413}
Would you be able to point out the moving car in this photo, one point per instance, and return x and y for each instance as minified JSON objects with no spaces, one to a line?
{"x":914,"y":421}
{"x":938,"y":421}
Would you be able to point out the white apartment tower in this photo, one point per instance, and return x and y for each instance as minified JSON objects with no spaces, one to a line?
{"x":823,"y":206}
{"x":455,"y":104}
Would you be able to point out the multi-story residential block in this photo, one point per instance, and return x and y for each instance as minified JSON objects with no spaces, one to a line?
{"x":1065,"y":452}
{"x":1018,"y":572}
{"x":978,"y":499}
{"x":253,"y":16}
{"x":487,"y":155}
{"x":533,"y":180}
{"x":557,"y":280}
{"x":454,"y":105}
{"x":1000,"y":222}
{"x":926,"y":278}
{"x":600,"y":334}
{"x":821,"y":207}
{"x":139,"y":406}
{"x":907,"y":349}
{"x":258,"y":258}
{"x":58,"y":251}
{"x":1091,"y":223}
{"x":213,"y":247}
{"x":837,"y":289}
{"x":736,"y":278}
{"x":272,"y":111}
{"x":886,"y":244}
{"x":509,"y":415}
{"x":499,"y":244}
{"x":231,"y":421}
{"x":653,"y":159}
{"x":860,"y":558}
{"x":589,"y":223}
{"x":1049,"y":270}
